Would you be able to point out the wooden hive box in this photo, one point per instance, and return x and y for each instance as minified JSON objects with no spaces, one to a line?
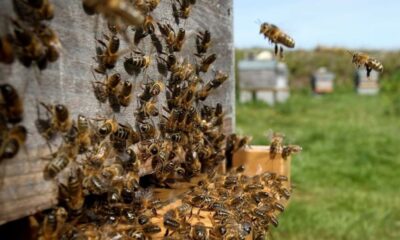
{"x":322,"y":81}
{"x":23,"y":190}
{"x":365,"y":85}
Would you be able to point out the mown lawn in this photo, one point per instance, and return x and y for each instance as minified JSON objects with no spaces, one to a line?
{"x":347,"y":179}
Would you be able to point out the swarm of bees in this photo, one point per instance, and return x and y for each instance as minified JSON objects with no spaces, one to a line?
{"x":31,"y":40}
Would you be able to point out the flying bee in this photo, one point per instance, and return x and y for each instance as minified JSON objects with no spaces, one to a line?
{"x":125,"y":94}
{"x":56,"y":165}
{"x":206,"y":63}
{"x":14,"y":140}
{"x":61,"y":119}
{"x":362,"y":59}
{"x":13,"y":106}
{"x":276,"y":144}
{"x":7,"y":52}
{"x":289,"y":150}
{"x":179,"y":40}
{"x":135,"y":64}
{"x":51,"y":41}
{"x":203,"y":41}
{"x":277,"y":37}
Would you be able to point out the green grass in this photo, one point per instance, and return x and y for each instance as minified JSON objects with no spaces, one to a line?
{"x":347,"y":178}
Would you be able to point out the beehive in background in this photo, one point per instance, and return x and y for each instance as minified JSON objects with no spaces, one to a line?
{"x":264,"y":79}
{"x":23,"y":190}
{"x":322,"y":81}
{"x":365,"y":85}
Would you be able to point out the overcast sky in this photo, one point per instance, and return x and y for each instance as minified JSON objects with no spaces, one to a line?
{"x":342,"y":23}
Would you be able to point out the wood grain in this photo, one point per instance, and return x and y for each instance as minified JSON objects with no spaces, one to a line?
{"x":23,"y":190}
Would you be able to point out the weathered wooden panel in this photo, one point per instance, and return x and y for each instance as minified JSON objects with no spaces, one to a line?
{"x":68,"y":81}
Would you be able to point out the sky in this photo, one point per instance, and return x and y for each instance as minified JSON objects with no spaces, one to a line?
{"x":368,"y":24}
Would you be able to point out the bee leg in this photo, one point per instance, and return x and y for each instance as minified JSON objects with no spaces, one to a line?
{"x":368,"y":71}
{"x":276,"y":49}
{"x":281,"y":52}
{"x":166,"y":232}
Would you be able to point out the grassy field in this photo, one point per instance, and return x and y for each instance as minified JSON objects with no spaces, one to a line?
{"x":347,"y":178}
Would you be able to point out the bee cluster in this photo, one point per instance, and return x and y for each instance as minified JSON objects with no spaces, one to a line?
{"x":108,"y":171}
{"x":12,"y":134}
{"x":32,"y":40}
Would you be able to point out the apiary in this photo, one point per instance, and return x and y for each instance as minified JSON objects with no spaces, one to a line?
{"x":117,"y":119}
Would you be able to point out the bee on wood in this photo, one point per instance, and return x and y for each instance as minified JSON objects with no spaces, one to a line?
{"x":84,"y":133}
{"x":289,"y":150}
{"x":73,"y":191}
{"x":60,"y":117}
{"x":179,"y":40}
{"x":203,"y":41}
{"x":185,"y":8}
{"x":199,"y":231}
{"x":146,"y":130}
{"x":146,"y":6}
{"x":100,"y":92}
{"x":276,"y":145}
{"x":30,"y":48}
{"x":11,"y":105}
{"x":206,"y":63}
{"x":128,"y":159}
{"x":135,"y":64}
{"x":362,"y":59}
{"x":34,"y":10}
{"x":276,"y":36}
{"x":107,"y":55}
{"x":108,"y":126}
{"x":118,"y":11}
{"x":14,"y":140}
{"x":125,"y":94}
{"x":120,"y":137}
{"x":7,"y":52}
{"x":58,"y":163}
{"x":50,"y":41}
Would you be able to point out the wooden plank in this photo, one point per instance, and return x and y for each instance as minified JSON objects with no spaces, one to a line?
{"x":68,"y":81}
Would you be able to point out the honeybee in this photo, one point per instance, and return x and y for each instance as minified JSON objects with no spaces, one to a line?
{"x":290,"y":149}
{"x":146,"y":130}
{"x":276,"y":145}
{"x":136,"y":63}
{"x":109,"y":126}
{"x":362,"y":59}
{"x":125,"y":94}
{"x":199,"y":231}
{"x":179,"y":40}
{"x":185,"y":8}
{"x":84,"y":133}
{"x":7,"y":53}
{"x":34,"y":10}
{"x":120,"y":137}
{"x":51,"y":41}
{"x":277,"y":37}
{"x":203,"y":41}
{"x":53,"y":224}
{"x":206,"y":63}
{"x":129,"y":160}
{"x":56,"y":165}
{"x":168,"y":32}
{"x":146,"y":6}
{"x":108,"y":54}
{"x":13,"y":141}
{"x":151,"y":89}
{"x":119,"y":11}
{"x":13,"y":107}
{"x":219,"y":78}
{"x":29,"y":46}
{"x":74,"y":190}
{"x":100,"y":92}
{"x":61,"y":120}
